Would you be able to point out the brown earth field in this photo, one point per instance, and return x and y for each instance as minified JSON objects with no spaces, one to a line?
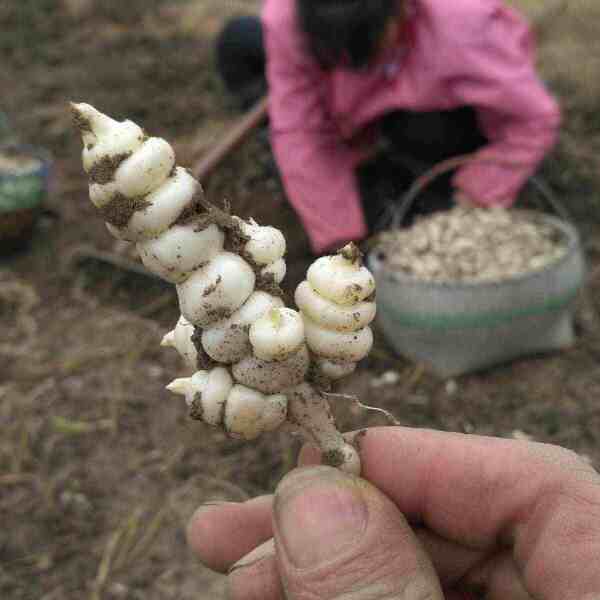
{"x":100,"y":467}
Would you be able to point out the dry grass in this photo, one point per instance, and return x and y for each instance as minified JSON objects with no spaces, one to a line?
{"x":570,"y":52}
{"x":569,"y":60}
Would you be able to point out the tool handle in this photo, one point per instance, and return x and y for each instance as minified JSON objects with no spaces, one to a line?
{"x":232,"y":140}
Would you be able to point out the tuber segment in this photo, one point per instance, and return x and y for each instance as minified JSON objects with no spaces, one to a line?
{"x":337,"y":306}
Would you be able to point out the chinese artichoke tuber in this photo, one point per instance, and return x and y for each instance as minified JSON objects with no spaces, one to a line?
{"x":256,"y":363}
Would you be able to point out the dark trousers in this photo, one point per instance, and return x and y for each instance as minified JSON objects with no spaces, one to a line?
{"x":241,"y":59}
{"x":412,"y":141}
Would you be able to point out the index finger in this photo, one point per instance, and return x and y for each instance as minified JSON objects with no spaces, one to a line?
{"x":486,"y":492}
{"x":470,"y":489}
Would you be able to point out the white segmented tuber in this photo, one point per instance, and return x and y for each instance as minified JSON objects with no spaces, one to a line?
{"x":146,"y":169}
{"x":159,"y":209}
{"x":277,"y":334}
{"x":266,"y":244}
{"x":228,"y":341}
{"x":216,"y":290}
{"x":158,"y":257}
{"x":206,"y":392}
{"x":251,"y":355}
{"x":331,"y":344}
{"x":341,"y":278}
{"x":337,"y":307}
{"x":336,"y":369}
{"x":249,"y":413}
{"x":330,"y":315}
{"x":181,"y":339}
{"x":106,"y":137}
{"x":243,"y":412}
{"x":273,"y":376}
{"x":275,"y":270}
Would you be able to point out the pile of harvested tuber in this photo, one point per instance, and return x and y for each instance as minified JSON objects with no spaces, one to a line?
{"x":255,"y":363}
{"x":472,"y":244}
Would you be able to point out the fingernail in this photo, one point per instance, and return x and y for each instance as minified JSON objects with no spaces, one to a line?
{"x":216,"y":503}
{"x":319,"y":514}
{"x":258,"y":554}
{"x":211,"y":504}
{"x":206,"y":506}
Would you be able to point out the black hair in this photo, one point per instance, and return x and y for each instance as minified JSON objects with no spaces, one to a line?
{"x":345,"y":32}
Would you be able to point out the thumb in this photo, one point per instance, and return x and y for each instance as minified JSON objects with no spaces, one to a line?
{"x":337,"y":536}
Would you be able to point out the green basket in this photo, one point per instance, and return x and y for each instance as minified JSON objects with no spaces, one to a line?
{"x":22,"y":194}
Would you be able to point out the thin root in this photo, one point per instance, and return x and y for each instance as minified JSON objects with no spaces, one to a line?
{"x":388,"y":415}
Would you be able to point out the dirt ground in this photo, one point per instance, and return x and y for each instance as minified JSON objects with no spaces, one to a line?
{"x":100,"y":467}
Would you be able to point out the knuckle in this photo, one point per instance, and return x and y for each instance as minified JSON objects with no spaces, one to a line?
{"x":379,"y":582}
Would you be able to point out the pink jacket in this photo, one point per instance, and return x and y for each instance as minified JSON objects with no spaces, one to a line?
{"x":461,"y":52}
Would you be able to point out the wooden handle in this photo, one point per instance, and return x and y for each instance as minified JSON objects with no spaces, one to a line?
{"x":232,"y":140}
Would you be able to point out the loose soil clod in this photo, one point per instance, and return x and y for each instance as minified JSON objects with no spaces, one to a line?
{"x":120,"y":209}
{"x":80,"y":122}
{"x":103,"y":171}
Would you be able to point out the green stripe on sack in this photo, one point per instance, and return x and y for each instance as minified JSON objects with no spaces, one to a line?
{"x":487,"y":319}
{"x":20,"y":193}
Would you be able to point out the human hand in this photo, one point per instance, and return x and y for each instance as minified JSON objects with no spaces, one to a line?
{"x":444,"y":516}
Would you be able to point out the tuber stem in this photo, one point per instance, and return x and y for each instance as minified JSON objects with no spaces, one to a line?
{"x":310,"y":412}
